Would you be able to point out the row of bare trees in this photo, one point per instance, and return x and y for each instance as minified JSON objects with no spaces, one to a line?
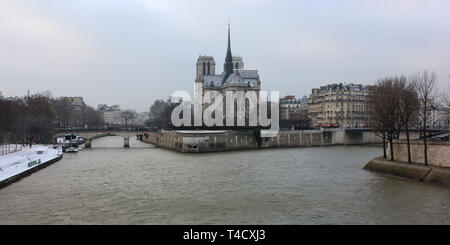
{"x":400,"y":103}
{"x":67,"y":116}
{"x":26,"y":121}
{"x":33,"y":118}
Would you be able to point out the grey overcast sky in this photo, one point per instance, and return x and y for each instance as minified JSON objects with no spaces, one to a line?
{"x":131,"y":52}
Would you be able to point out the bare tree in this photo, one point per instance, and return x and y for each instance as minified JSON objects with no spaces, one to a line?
{"x":91,"y":117}
{"x":45,"y":93}
{"x":425,"y":86}
{"x":14,"y":119}
{"x":384,"y":111}
{"x":408,"y":107}
{"x":160,"y":114}
{"x":134,"y":115}
{"x":128,"y":115}
{"x":63,"y":112}
{"x":41,"y":117}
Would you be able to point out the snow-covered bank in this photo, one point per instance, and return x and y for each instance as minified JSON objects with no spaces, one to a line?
{"x":26,"y":160}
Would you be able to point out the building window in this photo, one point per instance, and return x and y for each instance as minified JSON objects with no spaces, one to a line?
{"x":208,"y":68}
{"x":204,"y":67}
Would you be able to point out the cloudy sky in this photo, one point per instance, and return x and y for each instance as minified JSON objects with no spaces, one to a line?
{"x":131,"y":52}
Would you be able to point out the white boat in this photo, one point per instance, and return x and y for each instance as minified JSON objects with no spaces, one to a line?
{"x":72,"y":149}
{"x":70,"y":143}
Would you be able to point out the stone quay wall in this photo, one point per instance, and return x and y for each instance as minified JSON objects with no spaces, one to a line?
{"x":414,"y":171}
{"x":202,"y":141}
{"x":211,"y":141}
{"x":320,"y":138}
{"x":438,"y":152}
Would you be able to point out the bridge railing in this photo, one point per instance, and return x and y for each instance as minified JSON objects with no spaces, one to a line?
{"x":100,"y":129}
{"x":9,"y":148}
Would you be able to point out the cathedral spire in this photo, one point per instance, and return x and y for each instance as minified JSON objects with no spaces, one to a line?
{"x":229,"y":42}
{"x":228,"y":67}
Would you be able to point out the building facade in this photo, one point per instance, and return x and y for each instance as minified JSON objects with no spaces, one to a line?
{"x":294,"y":113}
{"x":142,"y":118}
{"x":339,"y":105}
{"x":438,"y":117}
{"x":293,"y":108}
{"x":76,"y":102}
{"x":112,"y":115}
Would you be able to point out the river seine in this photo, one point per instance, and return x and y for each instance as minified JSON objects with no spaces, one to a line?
{"x":148,"y":185}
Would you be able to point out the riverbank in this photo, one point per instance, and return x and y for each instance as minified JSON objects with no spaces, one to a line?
{"x":14,"y":166}
{"x":414,"y":171}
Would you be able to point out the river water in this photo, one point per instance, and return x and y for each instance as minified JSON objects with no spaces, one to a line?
{"x":148,"y":185}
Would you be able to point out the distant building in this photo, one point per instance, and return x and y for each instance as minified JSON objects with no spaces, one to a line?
{"x":15,"y":99}
{"x":438,"y":117}
{"x":292,"y":108}
{"x":112,"y":115}
{"x":142,"y":118}
{"x":77,"y":103}
{"x":101,"y":106}
{"x":294,"y":113}
{"x":339,"y":105}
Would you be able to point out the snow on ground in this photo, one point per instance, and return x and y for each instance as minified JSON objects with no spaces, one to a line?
{"x":15,"y":163}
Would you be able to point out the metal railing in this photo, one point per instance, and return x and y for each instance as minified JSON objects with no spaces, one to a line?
{"x":9,"y":148}
{"x":101,"y":129}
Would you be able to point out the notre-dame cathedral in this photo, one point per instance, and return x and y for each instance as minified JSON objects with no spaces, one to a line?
{"x":233,"y":77}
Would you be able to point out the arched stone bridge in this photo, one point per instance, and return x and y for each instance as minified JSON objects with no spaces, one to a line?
{"x":90,"y":135}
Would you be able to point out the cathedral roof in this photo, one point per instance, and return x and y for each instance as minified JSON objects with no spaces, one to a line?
{"x":237,"y":78}
{"x":213,"y":80}
{"x":248,"y":78}
{"x":251,"y":74}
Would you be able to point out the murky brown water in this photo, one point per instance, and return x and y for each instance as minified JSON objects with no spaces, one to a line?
{"x":148,"y":185}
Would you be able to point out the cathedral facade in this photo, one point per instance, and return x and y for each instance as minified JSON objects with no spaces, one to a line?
{"x":233,"y":78}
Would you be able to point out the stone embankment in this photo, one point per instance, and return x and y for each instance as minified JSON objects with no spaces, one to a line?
{"x":438,"y":152}
{"x":228,"y":140}
{"x":414,"y":171}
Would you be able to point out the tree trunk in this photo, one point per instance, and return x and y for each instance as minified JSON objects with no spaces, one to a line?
{"x":384,"y":146}
{"x":425,"y":136}
{"x":409,"y":145}
{"x":425,"y":147}
{"x":392,"y":149}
